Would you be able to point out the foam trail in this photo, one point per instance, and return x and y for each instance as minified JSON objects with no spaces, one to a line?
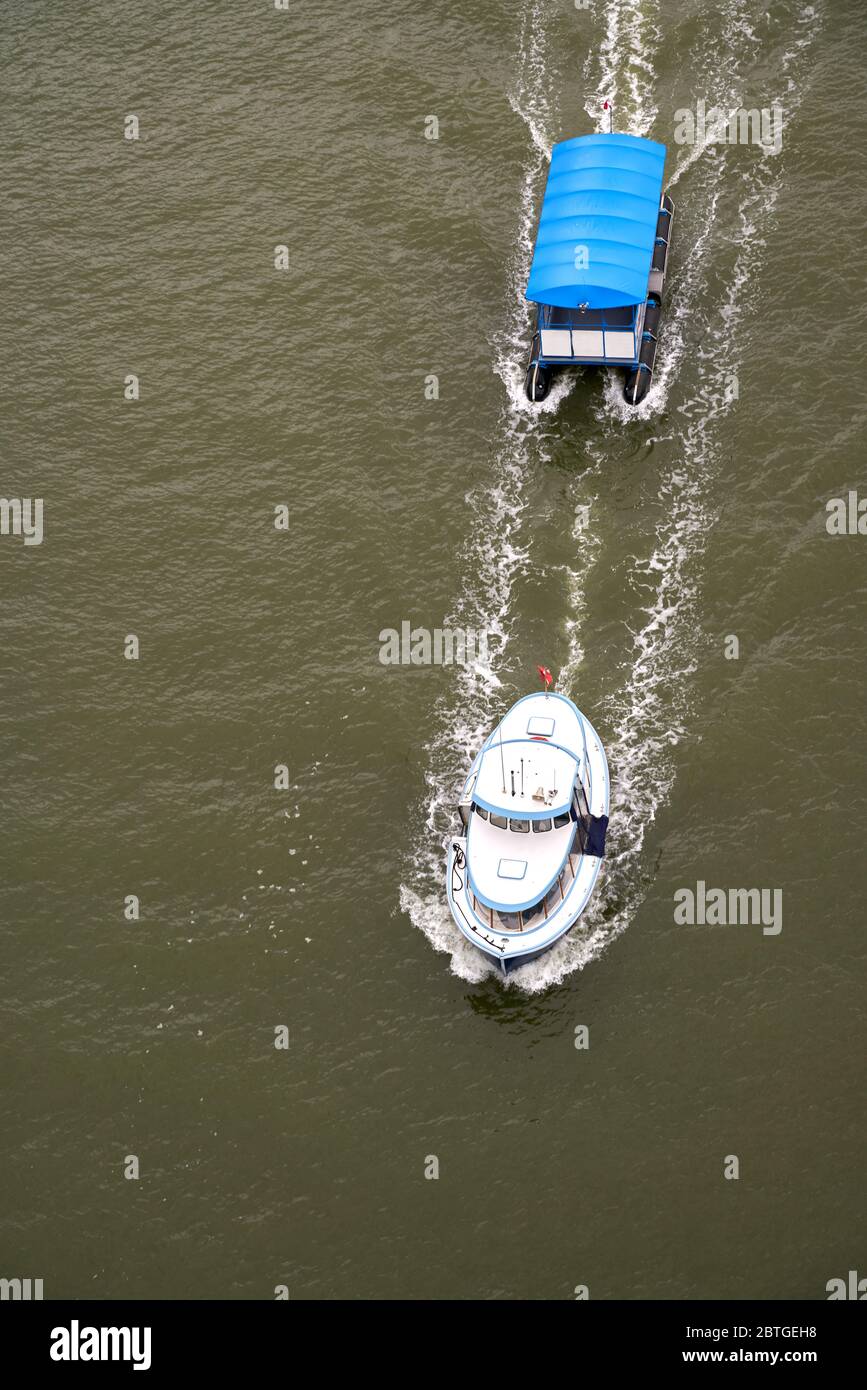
{"x":625,"y":72}
{"x":588,"y":547}
{"x":496,"y":554}
{"x":650,"y":709}
{"x":688,"y":278}
{"x":536,"y":133}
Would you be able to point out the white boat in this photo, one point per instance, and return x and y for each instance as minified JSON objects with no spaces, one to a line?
{"x":534,"y":811}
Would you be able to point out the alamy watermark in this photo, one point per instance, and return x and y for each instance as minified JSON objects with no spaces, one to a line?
{"x":851,"y":1288}
{"x":21,"y":1290}
{"x":846,"y":516}
{"x":739,"y":126}
{"x":716,"y":907}
{"x":22,"y":516}
{"x":421,"y":646}
{"x":77,"y":1343}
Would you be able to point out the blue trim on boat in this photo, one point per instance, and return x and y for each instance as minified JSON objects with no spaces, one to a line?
{"x":548,"y":814}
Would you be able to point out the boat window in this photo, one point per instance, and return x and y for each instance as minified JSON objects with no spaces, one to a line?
{"x":557,"y":316}
{"x":540,"y":825}
{"x":532,"y":914}
{"x":619,"y":318}
{"x":480,"y":811}
{"x":506,"y":921}
{"x":560,"y":821}
{"x":501,"y":822}
{"x":521,"y":827}
{"x":554,"y":897}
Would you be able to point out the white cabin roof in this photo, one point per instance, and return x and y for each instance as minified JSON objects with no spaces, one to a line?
{"x":509,"y":870}
{"x":545,"y":734}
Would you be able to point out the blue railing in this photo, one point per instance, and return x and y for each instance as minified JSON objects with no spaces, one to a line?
{"x":550,"y":316}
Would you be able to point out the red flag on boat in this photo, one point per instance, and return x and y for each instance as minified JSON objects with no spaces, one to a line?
{"x":545,"y":674}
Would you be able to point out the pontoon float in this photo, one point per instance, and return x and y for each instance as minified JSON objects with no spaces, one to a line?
{"x":600,"y":259}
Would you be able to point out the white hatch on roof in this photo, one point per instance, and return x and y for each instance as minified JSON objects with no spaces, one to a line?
{"x":540,"y":728}
{"x":512,"y":868}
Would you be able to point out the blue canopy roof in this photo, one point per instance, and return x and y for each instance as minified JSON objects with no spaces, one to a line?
{"x":599,"y":213}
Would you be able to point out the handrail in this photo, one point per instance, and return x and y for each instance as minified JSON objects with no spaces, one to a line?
{"x":457,"y":865}
{"x":579,"y":320}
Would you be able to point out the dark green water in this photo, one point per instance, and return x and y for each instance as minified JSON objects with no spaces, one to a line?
{"x":622,"y":549}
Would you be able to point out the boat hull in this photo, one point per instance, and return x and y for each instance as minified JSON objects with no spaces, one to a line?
{"x":510,"y":950}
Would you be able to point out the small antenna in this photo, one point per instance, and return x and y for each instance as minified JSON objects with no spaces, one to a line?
{"x":522,"y":776}
{"x":513,"y":781}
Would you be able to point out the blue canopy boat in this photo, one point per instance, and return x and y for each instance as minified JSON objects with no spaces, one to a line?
{"x":600,"y":259}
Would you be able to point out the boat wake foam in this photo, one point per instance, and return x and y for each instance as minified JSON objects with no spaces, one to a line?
{"x":649,"y":709}
{"x":623,"y":66}
{"x":496,"y":556}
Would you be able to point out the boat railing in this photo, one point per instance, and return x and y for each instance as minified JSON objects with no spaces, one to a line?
{"x":552,"y":316}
